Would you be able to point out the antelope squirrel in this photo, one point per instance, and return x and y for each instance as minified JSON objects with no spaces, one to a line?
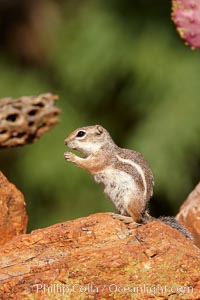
{"x":125,"y":174}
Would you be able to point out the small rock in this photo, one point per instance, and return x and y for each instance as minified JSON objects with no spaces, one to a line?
{"x":189,"y":214}
{"x":13,"y":217}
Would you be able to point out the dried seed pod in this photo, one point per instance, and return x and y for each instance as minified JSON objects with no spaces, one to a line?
{"x":25,"y":119}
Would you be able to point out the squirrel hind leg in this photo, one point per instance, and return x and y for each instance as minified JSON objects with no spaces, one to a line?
{"x":172,"y":222}
{"x":134,"y":209}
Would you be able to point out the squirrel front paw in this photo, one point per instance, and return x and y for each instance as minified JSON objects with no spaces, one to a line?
{"x":70,"y":156}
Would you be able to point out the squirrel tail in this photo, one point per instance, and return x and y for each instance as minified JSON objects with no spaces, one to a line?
{"x":170,"y":221}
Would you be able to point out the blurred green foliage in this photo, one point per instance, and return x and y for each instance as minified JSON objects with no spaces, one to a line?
{"x":119,"y":64}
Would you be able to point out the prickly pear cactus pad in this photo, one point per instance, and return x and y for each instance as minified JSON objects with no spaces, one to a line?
{"x":186,"y":16}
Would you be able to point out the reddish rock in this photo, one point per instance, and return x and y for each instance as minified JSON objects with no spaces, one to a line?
{"x":189,"y":214}
{"x":97,"y":257}
{"x":13,"y":217}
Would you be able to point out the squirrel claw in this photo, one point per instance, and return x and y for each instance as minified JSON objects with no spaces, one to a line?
{"x":69,"y":156}
{"x":124,"y":219}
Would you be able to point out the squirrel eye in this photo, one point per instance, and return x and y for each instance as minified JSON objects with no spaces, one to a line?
{"x":80,"y":134}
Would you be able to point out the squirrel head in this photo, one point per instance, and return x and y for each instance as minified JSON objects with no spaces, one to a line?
{"x":89,"y":139}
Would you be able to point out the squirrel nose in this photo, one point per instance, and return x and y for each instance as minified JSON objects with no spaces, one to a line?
{"x":66,"y":142}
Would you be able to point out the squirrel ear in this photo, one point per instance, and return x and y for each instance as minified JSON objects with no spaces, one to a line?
{"x":99,"y":129}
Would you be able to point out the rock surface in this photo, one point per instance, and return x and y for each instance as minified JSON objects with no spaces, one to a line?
{"x":13,"y":217}
{"x":189,"y":214}
{"x":97,"y":257}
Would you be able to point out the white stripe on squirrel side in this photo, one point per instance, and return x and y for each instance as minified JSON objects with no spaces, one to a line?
{"x":138,"y":168}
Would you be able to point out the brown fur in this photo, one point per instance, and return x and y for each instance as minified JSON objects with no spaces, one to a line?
{"x":101,"y":154}
{"x":125,"y":174}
